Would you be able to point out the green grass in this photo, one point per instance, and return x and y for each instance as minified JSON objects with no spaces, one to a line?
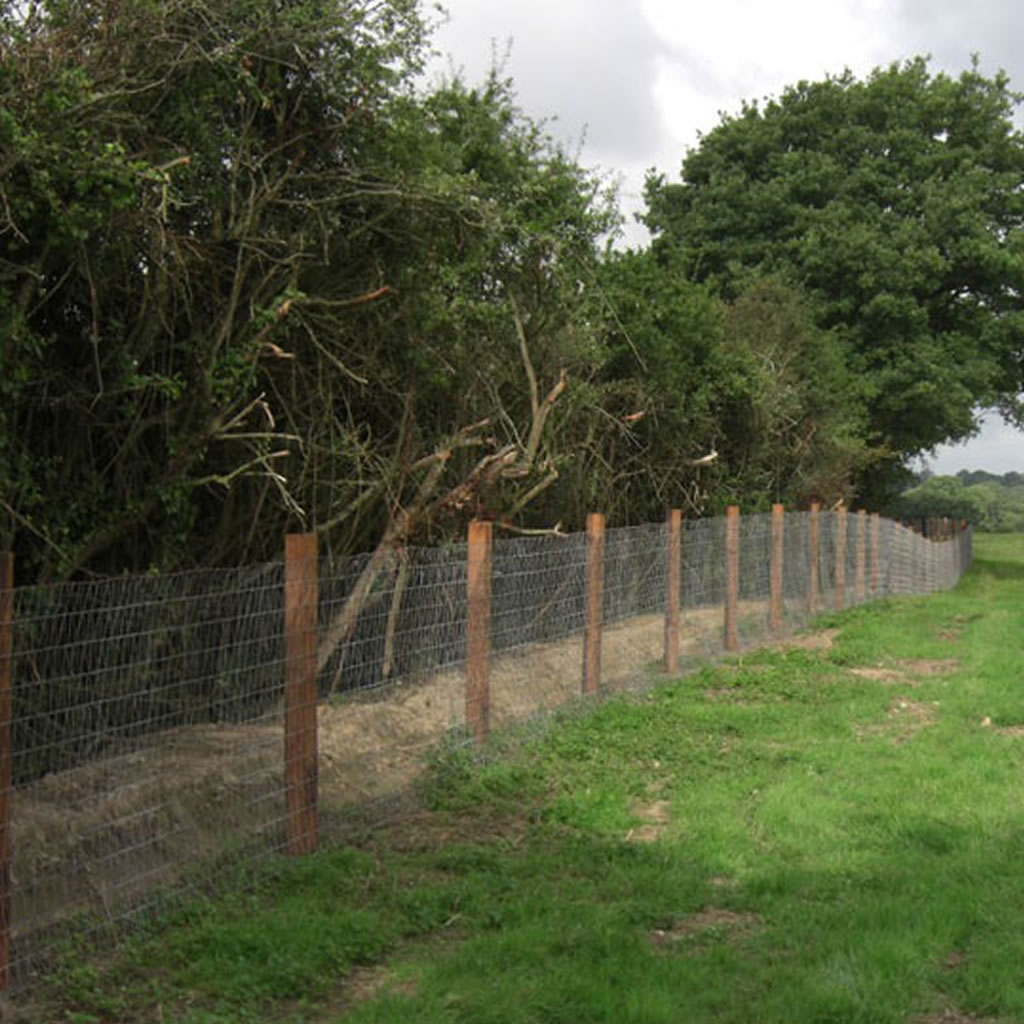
{"x":822,"y":847}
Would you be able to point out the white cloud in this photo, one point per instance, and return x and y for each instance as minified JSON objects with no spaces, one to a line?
{"x":720,"y":54}
{"x":644,"y":77}
{"x":999,"y":448}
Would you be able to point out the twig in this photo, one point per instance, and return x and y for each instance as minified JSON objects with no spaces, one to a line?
{"x":524,"y":531}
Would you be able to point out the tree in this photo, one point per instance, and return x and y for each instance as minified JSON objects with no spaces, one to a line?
{"x":896,"y":203}
{"x":250,"y":281}
{"x":946,"y":497}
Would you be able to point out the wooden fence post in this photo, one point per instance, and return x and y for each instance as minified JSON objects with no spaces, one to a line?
{"x":478,"y":630}
{"x":595,"y":603}
{"x":841,"y":531}
{"x":862,"y":551}
{"x":301,"y":597}
{"x":732,"y":578}
{"x":6,"y":709}
{"x":814,"y":547}
{"x":672,"y":581}
{"x":876,"y":528}
{"x":778,"y":553}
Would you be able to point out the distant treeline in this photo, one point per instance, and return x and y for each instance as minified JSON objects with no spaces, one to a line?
{"x":994,"y":503}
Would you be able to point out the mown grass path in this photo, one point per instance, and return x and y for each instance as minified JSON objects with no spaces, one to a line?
{"x":808,"y":835}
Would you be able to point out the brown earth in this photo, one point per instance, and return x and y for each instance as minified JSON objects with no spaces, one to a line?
{"x":904,"y":719}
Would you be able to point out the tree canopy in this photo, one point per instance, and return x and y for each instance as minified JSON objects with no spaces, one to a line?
{"x":256,"y":277}
{"x":895,"y":202}
{"x":992,"y":503}
{"x":250,"y":281}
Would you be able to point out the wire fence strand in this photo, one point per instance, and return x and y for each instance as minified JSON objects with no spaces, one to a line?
{"x":149,"y":713}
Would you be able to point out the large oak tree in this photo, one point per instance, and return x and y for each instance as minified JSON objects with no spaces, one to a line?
{"x":897,"y":203}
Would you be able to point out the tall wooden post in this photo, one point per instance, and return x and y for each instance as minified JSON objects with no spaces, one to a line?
{"x":478,"y":629}
{"x":840,"y":593}
{"x":876,"y":528}
{"x":595,"y":603}
{"x":6,"y":713}
{"x":672,"y":581}
{"x":301,"y":596}
{"x":862,"y":553}
{"x":778,"y":553}
{"x":732,"y":578}
{"x":813,"y":554}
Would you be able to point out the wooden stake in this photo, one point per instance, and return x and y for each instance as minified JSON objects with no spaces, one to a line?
{"x":876,"y":524}
{"x":6,"y":711}
{"x":595,"y":603}
{"x":301,"y":591}
{"x":814,"y":546}
{"x":732,"y":578}
{"x":862,"y":550}
{"x":672,"y":579}
{"x":778,"y":534}
{"x":840,"y":593}
{"x":478,"y":630}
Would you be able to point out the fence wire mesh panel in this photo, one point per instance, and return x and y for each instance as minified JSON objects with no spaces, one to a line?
{"x":391,"y":673}
{"x":703,"y":582}
{"x":146,"y":730}
{"x":635,"y":578}
{"x":796,"y":564}
{"x":754,"y":624}
{"x":150,"y":713}
{"x":538,"y":619}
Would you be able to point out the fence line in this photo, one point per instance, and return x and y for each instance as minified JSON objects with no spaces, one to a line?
{"x":158,"y":733}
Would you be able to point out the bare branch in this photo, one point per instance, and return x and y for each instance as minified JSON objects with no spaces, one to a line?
{"x":533,"y":492}
{"x":540,"y":418}
{"x":524,"y":351}
{"x":522,"y":531}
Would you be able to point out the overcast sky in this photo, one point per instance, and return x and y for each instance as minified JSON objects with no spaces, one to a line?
{"x":630,"y":84}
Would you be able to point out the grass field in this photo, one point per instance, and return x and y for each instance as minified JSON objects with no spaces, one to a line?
{"x":811,"y":835}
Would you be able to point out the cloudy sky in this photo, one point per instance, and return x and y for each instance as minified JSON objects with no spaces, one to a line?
{"x":630,"y":84}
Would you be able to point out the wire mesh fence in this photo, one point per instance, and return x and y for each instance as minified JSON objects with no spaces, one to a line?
{"x":167,"y":729}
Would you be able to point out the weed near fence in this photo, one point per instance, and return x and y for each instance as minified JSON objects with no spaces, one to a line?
{"x":150,"y":714}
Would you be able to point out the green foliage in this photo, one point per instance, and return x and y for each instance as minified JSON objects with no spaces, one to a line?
{"x":894,"y":203}
{"x":753,"y":379}
{"x":251,"y":282}
{"x":993,"y":504}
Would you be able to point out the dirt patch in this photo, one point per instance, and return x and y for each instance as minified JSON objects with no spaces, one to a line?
{"x":887,"y":676}
{"x":823,"y":640}
{"x":905,"y":710}
{"x":954,"y":959}
{"x":361,"y":984}
{"x":655,"y":817}
{"x":951,"y":1015}
{"x":930,"y":667}
{"x":1003,"y":730}
{"x":904,"y":719}
{"x":697,"y":931}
